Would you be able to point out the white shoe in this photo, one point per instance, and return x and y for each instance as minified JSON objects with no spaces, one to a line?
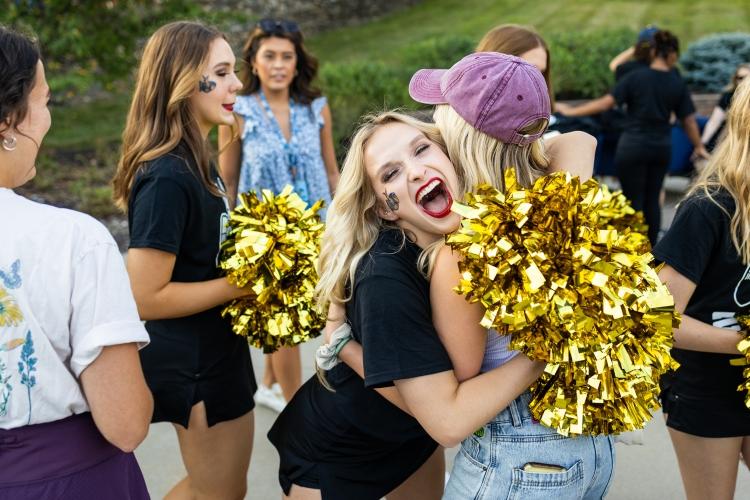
{"x":276,"y":388}
{"x":265,"y":396}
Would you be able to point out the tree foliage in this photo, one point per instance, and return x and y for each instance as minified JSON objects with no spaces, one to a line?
{"x":91,"y":40}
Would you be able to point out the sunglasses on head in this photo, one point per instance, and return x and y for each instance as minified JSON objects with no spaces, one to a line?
{"x":278,"y":26}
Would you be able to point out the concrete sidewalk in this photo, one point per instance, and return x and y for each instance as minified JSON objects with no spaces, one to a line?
{"x":647,"y":472}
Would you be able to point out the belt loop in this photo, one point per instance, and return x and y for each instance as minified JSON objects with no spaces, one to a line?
{"x":515,"y":414}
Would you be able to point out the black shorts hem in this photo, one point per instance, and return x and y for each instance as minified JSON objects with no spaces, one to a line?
{"x":705,"y":417}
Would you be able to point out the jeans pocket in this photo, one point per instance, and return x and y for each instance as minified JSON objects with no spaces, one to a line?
{"x":563,"y":485}
{"x":468,"y":478}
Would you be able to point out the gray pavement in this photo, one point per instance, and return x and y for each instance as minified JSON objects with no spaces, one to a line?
{"x":642,"y":472}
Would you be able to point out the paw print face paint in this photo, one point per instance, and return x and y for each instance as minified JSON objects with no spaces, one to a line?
{"x":206,"y":85}
{"x":391,"y":200}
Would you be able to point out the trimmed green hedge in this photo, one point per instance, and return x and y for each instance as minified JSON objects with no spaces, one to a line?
{"x":579,"y":70}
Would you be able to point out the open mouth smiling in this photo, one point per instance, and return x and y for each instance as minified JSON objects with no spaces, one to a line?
{"x":434,"y":198}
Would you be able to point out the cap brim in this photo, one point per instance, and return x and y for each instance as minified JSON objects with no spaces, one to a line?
{"x":424,"y":86}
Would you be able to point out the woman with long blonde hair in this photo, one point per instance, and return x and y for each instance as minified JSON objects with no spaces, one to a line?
{"x":706,"y":253}
{"x":392,"y":202}
{"x":491,"y":111}
{"x":198,"y":370}
{"x":391,"y":208}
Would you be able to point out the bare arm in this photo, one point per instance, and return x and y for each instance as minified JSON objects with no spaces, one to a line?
{"x":692,"y":334}
{"x":620,"y":58}
{"x":573,"y":152}
{"x":712,"y":125}
{"x":120,"y":402}
{"x":449,"y":411}
{"x":230,"y":157}
{"x":691,"y":129}
{"x":455,"y":319}
{"x":592,"y":107}
{"x":328,"y":151}
{"x":157,"y":297}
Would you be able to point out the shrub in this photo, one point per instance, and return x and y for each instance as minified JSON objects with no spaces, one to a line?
{"x":709,"y":63}
{"x":580,"y":61}
{"x":437,"y":52}
{"x":579,"y":68}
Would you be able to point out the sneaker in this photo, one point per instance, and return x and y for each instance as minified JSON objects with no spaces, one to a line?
{"x":276,"y":388}
{"x":265,"y":396}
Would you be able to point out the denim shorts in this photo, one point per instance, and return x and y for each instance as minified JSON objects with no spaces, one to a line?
{"x":491,"y":462}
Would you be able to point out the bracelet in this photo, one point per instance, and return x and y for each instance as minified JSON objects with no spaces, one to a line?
{"x":341,"y":345}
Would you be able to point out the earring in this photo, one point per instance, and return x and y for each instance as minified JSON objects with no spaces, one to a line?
{"x":10,"y":143}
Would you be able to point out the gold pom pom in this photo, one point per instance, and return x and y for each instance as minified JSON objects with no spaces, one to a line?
{"x":272,"y":247}
{"x":564,"y":268}
{"x":744,"y":347}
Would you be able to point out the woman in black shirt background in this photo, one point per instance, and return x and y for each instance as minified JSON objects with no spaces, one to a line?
{"x":715,"y":124}
{"x":707,"y":257}
{"x":650,"y":96}
{"x":197,"y":368}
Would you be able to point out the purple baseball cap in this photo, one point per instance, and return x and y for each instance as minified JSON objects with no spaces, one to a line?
{"x":495,"y":93}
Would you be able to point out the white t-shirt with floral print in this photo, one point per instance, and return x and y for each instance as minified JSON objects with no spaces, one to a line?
{"x":64,"y":294}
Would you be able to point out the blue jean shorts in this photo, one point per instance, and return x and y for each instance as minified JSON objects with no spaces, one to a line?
{"x":514,"y":457}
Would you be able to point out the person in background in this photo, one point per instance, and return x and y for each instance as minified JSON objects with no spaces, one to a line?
{"x":636,"y":56}
{"x":199,"y":371}
{"x":715,"y":124}
{"x":643,"y":153}
{"x":523,"y":42}
{"x":706,"y":253}
{"x":284,"y":135}
{"x":73,"y":400}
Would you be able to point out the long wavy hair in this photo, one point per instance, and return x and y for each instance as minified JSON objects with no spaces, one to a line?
{"x":481,"y":159}
{"x":514,"y":40}
{"x":729,"y":169}
{"x":301,"y":88}
{"x":160,"y":115}
{"x":353,"y":222}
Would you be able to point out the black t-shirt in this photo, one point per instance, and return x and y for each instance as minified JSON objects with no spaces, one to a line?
{"x":628,"y":66}
{"x":170,"y":209}
{"x":650,"y":96}
{"x":725,"y":100}
{"x":698,"y":245}
{"x":391,"y":317}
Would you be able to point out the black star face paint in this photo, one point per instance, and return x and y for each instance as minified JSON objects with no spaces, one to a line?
{"x":206,"y":85}
{"x":391,"y":200}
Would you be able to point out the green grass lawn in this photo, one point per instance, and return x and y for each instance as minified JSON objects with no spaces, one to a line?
{"x":385,"y":38}
{"x":80,"y":151}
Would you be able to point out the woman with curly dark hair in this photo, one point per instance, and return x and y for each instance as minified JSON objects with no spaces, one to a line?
{"x":285,"y":136}
{"x":73,"y":400}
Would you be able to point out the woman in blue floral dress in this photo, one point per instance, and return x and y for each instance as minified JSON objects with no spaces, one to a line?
{"x":284,"y":136}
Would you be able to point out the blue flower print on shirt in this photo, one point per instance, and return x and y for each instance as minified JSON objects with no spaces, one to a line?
{"x":26,"y":367}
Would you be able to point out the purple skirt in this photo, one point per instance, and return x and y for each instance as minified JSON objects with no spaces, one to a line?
{"x":68,"y":458}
